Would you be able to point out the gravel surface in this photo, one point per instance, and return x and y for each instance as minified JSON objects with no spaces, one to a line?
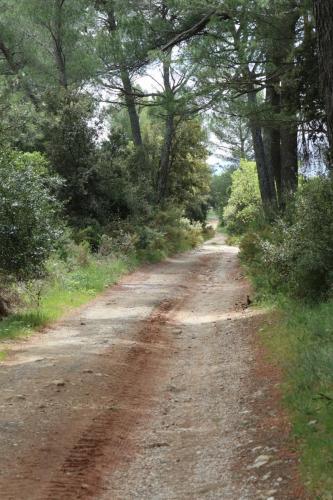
{"x":149,"y":392}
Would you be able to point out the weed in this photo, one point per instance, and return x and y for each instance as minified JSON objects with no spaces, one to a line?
{"x":302,"y":343}
{"x":64,"y":293}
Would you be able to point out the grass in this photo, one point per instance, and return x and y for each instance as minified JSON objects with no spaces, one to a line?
{"x":65,"y":291}
{"x":302,"y":342}
{"x":232,"y":240}
{"x":212,"y":215}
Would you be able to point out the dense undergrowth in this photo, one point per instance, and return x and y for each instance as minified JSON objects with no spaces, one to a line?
{"x":47,"y":300}
{"x":51,"y":260}
{"x":75,"y":274}
{"x":290,"y":264}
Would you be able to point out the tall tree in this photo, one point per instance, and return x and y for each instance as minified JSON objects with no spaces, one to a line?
{"x":113,"y":51}
{"x":323,"y":10}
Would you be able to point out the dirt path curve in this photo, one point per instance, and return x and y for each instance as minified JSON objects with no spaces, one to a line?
{"x":143,"y":394}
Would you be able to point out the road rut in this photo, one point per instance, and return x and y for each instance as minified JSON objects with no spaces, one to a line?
{"x":145,"y":393}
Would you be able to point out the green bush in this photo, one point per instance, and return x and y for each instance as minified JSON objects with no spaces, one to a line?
{"x":28,"y":214}
{"x":300,"y":252}
{"x":244,"y":209}
{"x":294,"y":256}
{"x":167,"y":232}
{"x":221,"y":189}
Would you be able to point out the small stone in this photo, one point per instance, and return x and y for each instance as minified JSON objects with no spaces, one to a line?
{"x":313,"y":422}
{"x":58,"y":383}
{"x":177,"y":332}
{"x":267,"y":476}
{"x":157,"y":445}
{"x":85,"y":486}
{"x":260,"y":461}
{"x":172,"y":388}
{"x":88,"y":370}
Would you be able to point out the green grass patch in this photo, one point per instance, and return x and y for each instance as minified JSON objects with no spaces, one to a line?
{"x":66,"y":289}
{"x":302,"y":342}
{"x":232,"y":240}
{"x":212,"y":215}
{"x":222,"y":229}
{"x":65,"y":292}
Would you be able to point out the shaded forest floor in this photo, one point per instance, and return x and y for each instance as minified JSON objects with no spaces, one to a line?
{"x":157,"y":389}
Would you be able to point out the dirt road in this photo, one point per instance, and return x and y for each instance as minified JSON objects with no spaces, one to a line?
{"x":152,"y":391}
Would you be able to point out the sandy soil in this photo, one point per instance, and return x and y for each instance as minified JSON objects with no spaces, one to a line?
{"x":156,"y":390}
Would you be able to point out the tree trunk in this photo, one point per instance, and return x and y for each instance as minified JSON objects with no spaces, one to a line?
{"x":241,"y":141}
{"x":273,"y":139}
{"x":289,"y":160}
{"x":265,"y":176}
{"x":126,"y":81}
{"x":4,"y":308}
{"x":56,"y":33}
{"x":323,"y":10}
{"x":16,"y":67}
{"x":289,"y":107}
{"x":165,"y":159}
{"x":131,"y":108}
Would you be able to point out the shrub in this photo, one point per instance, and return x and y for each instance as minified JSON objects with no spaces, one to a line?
{"x":167,"y":232}
{"x":244,"y":209}
{"x":123,"y":243}
{"x":220,"y":189}
{"x":299,"y":252}
{"x":28,"y":214}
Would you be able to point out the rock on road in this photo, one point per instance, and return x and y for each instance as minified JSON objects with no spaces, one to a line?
{"x":142,"y":394}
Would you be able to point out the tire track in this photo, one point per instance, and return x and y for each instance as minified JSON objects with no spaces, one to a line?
{"x":109,"y":441}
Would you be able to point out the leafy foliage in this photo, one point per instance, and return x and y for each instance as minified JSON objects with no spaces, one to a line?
{"x":190,"y":176}
{"x":300,"y":248}
{"x":244,"y":208}
{"x":167,"y":232}
{"x":221,"y":189}
{"x":28,"y":213}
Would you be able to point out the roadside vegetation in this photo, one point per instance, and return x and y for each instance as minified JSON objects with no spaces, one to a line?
{"x":101,"y":171}
{"x":74,"y":273}
{"x":289,"y":261}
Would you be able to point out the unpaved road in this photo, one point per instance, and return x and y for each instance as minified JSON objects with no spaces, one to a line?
{"x":152,"y":391}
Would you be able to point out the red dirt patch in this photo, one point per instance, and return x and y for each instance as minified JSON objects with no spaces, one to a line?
{"x":272,"y":426}
{"x":108,"y":442}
